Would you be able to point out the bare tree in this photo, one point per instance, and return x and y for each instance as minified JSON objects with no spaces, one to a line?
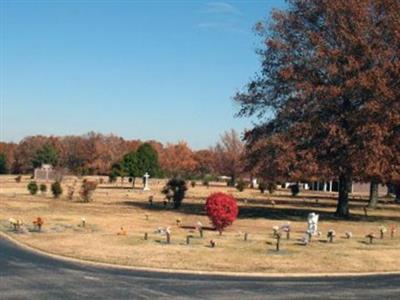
{"x":229,"y":155}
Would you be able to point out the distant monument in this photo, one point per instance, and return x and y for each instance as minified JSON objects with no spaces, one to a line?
{"x":47,"y":173}
{"x":146,"y":182}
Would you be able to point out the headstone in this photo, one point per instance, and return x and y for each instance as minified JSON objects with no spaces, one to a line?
{"x":371,"y":237}
{"x":199,"y":227}
{"x":286,"y":228}
{"x":331,"y":234}
{"x":146,"y":182}
{"x":312,"y":221}
{"x":254,"y":182}
{"x":212,"y":243}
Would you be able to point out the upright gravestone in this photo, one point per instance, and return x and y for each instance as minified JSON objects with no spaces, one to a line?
{"x":312,"y":221}
{"x":146,"y":182}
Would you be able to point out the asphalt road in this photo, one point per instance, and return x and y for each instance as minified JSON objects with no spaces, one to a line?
{"x":27,"y":275}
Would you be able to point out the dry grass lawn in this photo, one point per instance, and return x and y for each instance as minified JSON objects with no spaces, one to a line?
{"x":117,"y":206}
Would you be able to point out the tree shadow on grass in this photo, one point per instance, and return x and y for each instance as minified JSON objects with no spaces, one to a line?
{"x":258,"y":211}
{"x":120,"y":188}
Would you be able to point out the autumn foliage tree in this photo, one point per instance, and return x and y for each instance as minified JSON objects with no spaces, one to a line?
{"x":330,"y":71}
{"x":178,"y":159}
{"x":222,"y":210}
{"x":205,"y":162}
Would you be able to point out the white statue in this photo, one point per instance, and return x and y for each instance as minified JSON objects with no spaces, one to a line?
{"x":312,"y":223}
{"x":146,"y":182}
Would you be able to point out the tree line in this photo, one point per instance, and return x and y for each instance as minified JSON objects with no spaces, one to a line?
{"x":99,"y":154}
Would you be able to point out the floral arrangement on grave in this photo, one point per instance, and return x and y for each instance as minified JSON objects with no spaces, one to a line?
{"x":222,"y":210}
{"x":393,"y":229}
{"x":16,"y":223}
{"x":275,"y":230}
{"x":33,"y":187}
{"x":87,"y":190}
{"x":18,"y":179}
{"x":176,"y":189}
{"x":178,"y":222}
{"x":193,"y":184}
{"x":56,"y":189}
{"x":83,"y":221}
{"x":382,"y":230}
{"x":38,"y":223}
{"x":348,"y":234}
{"x":122,"y":231}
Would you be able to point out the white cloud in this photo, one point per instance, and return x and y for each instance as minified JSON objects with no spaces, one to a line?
{"x":221,"y":8}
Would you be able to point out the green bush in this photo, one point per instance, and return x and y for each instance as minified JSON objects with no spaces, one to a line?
{"x":112,"y":177}
{"x":56,"y":189}
{"x":43,"y":188}
{"x":271,"y":186}
{"x":177,"y":188}
{"x":295,"y":189}
{"x":33,"y":187}
{"x":240,"y":185}
{"x":3,"y":163}
{"x":262,"y":186}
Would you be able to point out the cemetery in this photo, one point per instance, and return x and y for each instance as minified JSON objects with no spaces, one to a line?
{"x":249,"y":231}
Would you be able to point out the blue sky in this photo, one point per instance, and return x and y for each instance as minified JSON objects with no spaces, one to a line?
{"x":163,"y":70}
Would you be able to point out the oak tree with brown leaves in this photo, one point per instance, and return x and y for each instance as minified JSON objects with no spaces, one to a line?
{"x":330,"y":85}
{"x":178,"y":159}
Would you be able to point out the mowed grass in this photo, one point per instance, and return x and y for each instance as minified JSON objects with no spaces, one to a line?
{"x":117,"y":206}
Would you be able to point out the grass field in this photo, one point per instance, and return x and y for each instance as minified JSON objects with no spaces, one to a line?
{"x":117,"y":206}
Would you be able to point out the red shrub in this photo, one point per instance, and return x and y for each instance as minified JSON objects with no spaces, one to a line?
{"x":222,"y":210}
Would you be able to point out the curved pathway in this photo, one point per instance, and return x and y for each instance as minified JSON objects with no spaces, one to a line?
{"x":28,"y":275}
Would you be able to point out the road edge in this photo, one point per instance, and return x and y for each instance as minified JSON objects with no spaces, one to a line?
{"x":186,"y":272}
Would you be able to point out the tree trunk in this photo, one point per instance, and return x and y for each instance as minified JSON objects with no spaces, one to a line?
{"x":342,"y":209}
{"x":373,"y":194}
{"x":397,"y":192}
{"x":232,"y":181}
